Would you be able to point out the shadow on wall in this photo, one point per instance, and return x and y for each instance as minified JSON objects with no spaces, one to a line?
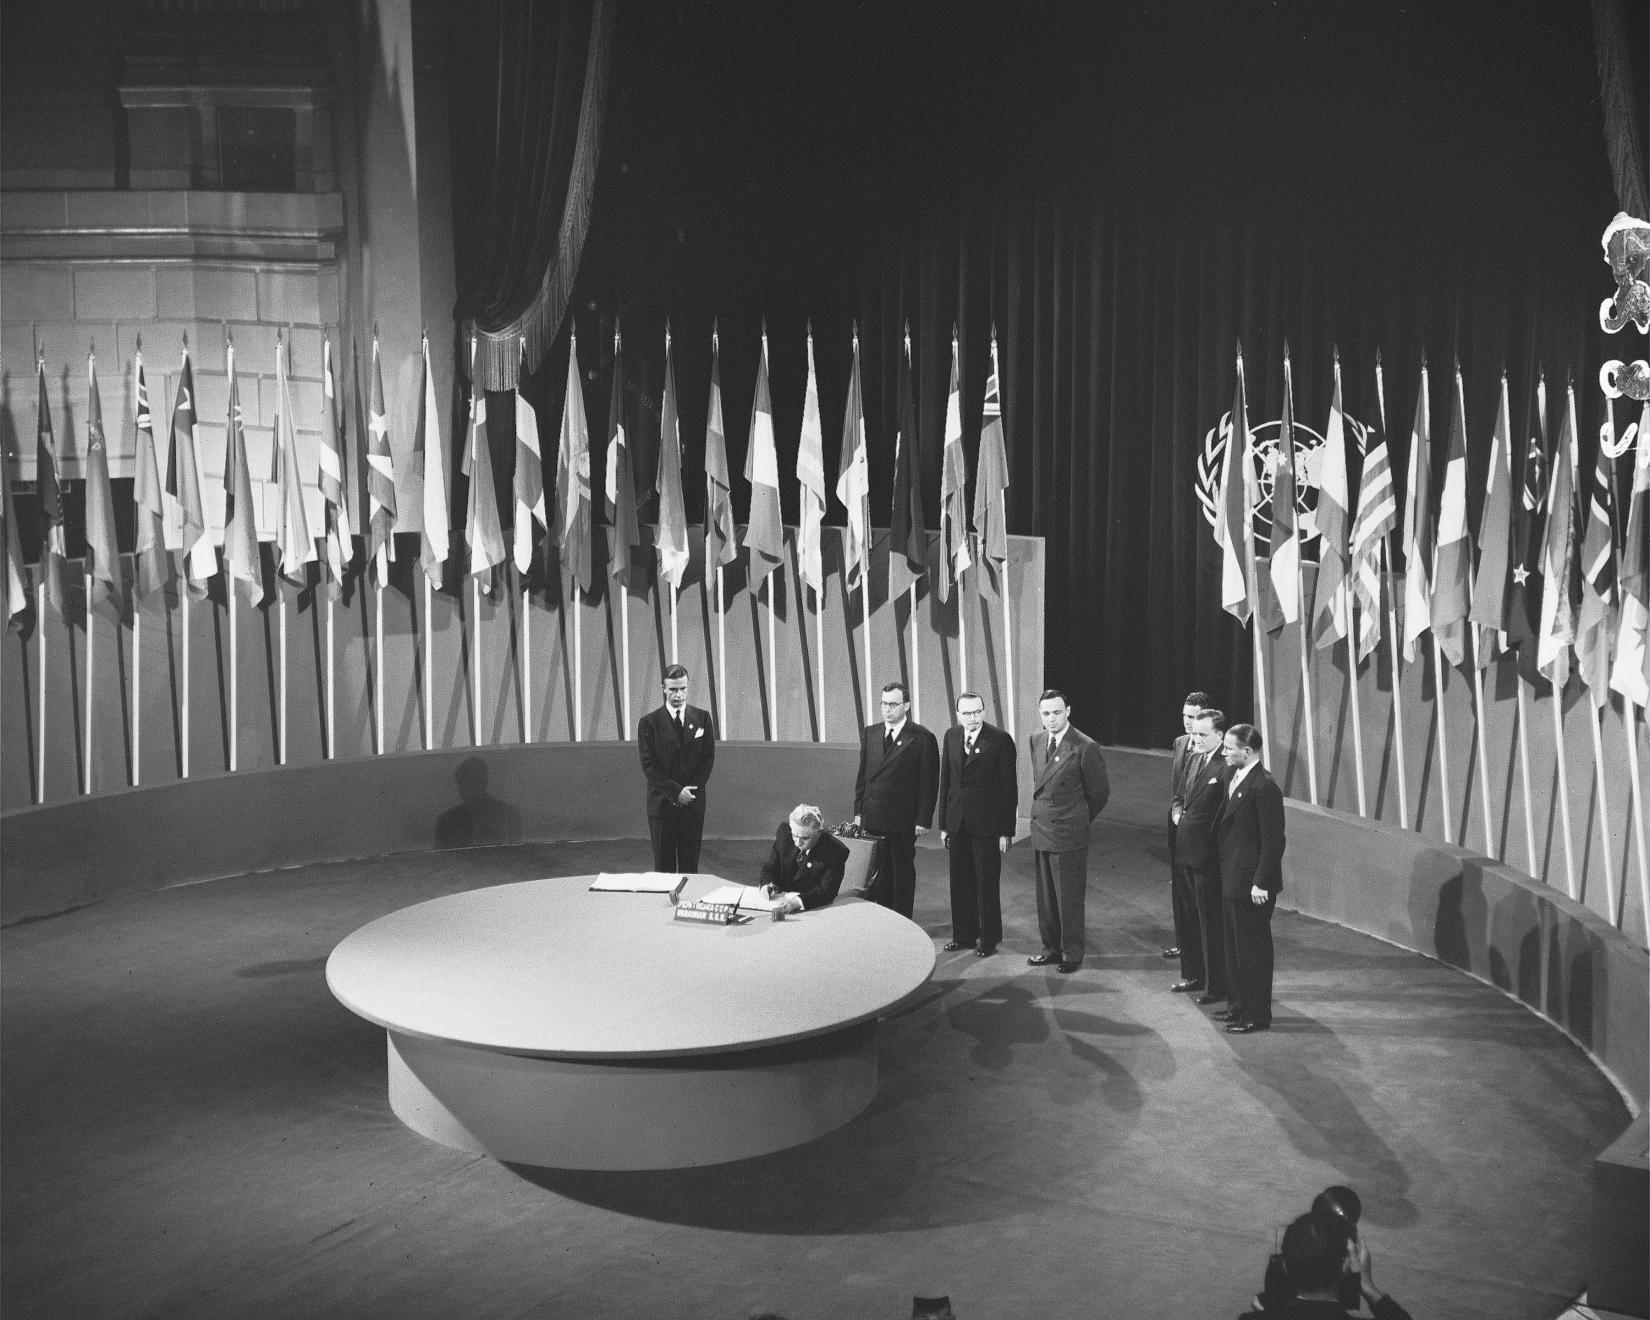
{"x":479,"y":819}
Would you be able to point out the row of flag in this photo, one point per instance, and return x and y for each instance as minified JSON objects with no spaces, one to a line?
{"x":1554,"y":565}
{"x":172,"y":535}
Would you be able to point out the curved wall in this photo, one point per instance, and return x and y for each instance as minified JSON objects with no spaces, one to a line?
{"x":1558,"y":958}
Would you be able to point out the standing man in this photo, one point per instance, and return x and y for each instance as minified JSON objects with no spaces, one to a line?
{"x":1069,"y":789}
{"x":1185,"y":920}
{"x":678,"y":749}
{"x":1192,"y":854}
{"x":1249,"y":846}
{"x":977,"y":800}
{"x":899,"y":762}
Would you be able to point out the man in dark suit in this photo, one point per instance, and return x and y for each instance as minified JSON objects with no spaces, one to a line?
{"x":1192,"y":854}
{"x":805,"y":864}
{"x":899,"y":764}
{"x":1181,"y":905}
{"x":678,"y":747}
{"x":977,"y":801}
{"x":1069,"y":789}
{"x":1249,"y":843}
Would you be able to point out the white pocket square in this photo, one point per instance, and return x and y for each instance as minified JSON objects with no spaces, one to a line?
{"x":699,"y":732}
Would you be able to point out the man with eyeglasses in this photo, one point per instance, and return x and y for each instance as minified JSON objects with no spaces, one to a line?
{"x":678,"y":747}
{"x":899,"y":766}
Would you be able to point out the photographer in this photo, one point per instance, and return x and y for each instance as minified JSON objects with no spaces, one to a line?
{"x":1320,"y":1251}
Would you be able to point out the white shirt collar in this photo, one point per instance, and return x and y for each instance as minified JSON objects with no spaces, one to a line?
{"x":1241,"y":775}
{"x":896,"y":730}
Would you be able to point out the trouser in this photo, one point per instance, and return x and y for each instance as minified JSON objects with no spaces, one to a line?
{"x":976,"y":869}
{"x":1062,"y":892}
{"x":897,"y":863}
{"x":1211,"y":925}
{"x":676,"y":833}
{"x":1187,"y":933}
{"x":1249,"y":959}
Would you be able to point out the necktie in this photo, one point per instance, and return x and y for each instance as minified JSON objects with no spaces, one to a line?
{"x":968,"y":747}
{"x":887,"y":739}
{"x":1052,"y":744}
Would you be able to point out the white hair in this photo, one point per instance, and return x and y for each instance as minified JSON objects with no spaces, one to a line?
{"x":808,"y":817}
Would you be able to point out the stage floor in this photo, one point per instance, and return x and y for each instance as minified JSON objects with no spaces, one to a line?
{"x":193,"y":1127}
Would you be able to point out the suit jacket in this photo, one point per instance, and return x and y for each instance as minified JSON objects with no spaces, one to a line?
{"x":978,"y":792}
{"x":894,"y":791}
{"x":1066,"y":793}
{"x":1249,"y":838}
{"x":816,"y":877}
{"x":674,"y":757}
{"x":1192,"y":843}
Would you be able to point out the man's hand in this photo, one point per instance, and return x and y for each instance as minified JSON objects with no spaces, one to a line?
{"x":945,"y":838}
{"x":1258,"y":896}
{"x":1003,"y":840}
{"x":688,"y":796}
{"x":921,"y":830}
{"x":856,"y":820}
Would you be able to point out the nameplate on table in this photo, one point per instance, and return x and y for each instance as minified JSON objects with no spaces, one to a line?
{"x":702,"y":913}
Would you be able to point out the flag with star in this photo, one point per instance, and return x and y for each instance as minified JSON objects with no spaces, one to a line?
{"x":1524,"y":594}
{"x":1374,"y":522}
{"x":381,"y":511}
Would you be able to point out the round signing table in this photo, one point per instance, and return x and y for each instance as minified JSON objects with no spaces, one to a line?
{"x":541,"y":1023}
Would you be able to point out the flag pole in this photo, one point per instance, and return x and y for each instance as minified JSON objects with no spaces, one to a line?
{"x":183,"y":714}
{"x":865,"y":619}
{"x":332,"y":749}
{"x":40,"y":724}
{"x":1008,"y":630}
{"x":962,"y":633}
{"x":578,"y":664}
{"x":429,"y":652}
{"x":773,"y":684}
{"x":1479,"y":640}
{"x":378,"y":653}
{"x":1524,"y":768}
{"x":916,"y":661}
{"x":721,"y":655}
{"x":86,"y":757}
{"x":1306,"y":697}
{"x":624,"y":640}
{"x":137,"y":689}
{"x":819,"y":647}
{"x":1260,"y":689}
{"x":475,"y":661}
{"x":280,"y":600}
{"x":1350,"y":614}
{"x":1610,"y":896}
{"x":675,"y":637}
{"x":526,"y":665}
{"x":1563,"y":792}
{"x":234,"y":678}
{"x":1443,"y":733}
{"x":1634,"y":713}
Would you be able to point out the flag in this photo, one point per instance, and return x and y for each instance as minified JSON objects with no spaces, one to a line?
{"x":719,"y":528}
{"x":673,"y":532}
{"x":183,"y":483}
{"x":54,"y":552}
{"x":102,"y":554}
{"x":431,"y":455}
{"x":1234,"y":522}
{"x":1376,"y":518}
{"x":954,"y":485}
{"x":991,"y":475}
{"x":1330,"y":622}
{"x":336,"y":532}
{"x":907,"y":537}
{"x":1524,"y":595}
{"x":764,"y":528}
{"x":853,"y":477}
{"x":810,"y":477}
{"x":153,"y":566}
{"x":294,"y":545}
{"x":1595,"y":622}
{"x":1629,"y":675}
{"x":1492,"y":584}
{"x":240,"y":528}
{"x":1284,"y":566}
{"x":624,"y":532}
{"x":380,"y":475}
{"x":1418,"y":527}
{"x":573,"y":473}
{"x":529,"y":481}
{"x":17,"y":579}
{"x":482,"y":531}
{"x":1557,"y":628}
{"x":1452,"y":560}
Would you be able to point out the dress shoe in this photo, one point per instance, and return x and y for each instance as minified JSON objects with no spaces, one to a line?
{"x":1186,"y":987}
{"x":1211,"y":999}
{"x":1246,"y":1028}
{"x":1068,"y":967}
{"x":1171,"y":953}
{"x":1225,"y":1015}
{"x":985,"y":950}
{"x":1042,"y":959}
{"x":951,"y":946}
